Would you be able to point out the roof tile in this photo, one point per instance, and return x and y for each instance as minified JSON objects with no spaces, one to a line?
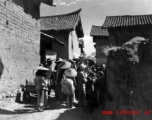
{"x":128,"y":20}
{"x":99,"y":31}
{"x":60,"y":22}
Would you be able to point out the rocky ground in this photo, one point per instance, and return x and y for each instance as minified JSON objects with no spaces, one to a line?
{"x":10,"y":110}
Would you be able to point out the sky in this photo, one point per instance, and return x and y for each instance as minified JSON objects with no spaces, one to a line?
{"x":94,"y":12}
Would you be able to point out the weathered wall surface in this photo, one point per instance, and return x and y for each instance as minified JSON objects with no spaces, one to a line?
{"x":122,"y":34}
{"x":31,"y":7}
{"x":19,"y":48}
{"x":73,"y":44}
{"x":129,"y":79}
{"x":101,"y":43}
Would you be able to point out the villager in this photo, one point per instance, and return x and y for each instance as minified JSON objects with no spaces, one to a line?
{"x":101,"y":87}
{"x":73,"y":64}
{"x":45,"y":84}
{"x":56,"y":72}
{"x":61,"y":69}
{"x":38,"y":87}
{"x":91,"y":91}
{"x":99,"y":83}
{"x":50,"y":65}
{"x":81,"y":80}
{"x":103,"y":67}
{"x":68,"y":85}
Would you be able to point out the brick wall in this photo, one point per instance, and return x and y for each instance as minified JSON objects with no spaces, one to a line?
{"x":19,"y":48}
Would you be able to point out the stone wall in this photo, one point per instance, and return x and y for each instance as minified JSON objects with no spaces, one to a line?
{"x":19,"y":48}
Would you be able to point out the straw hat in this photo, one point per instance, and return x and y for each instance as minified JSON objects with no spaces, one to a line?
{"x":49,"y":60}
{"x":72,"y":61}
{"x":65,"y":65}
{"x":41,"y":68}
{"x":59,"y":60}
{"x":70,"y":72}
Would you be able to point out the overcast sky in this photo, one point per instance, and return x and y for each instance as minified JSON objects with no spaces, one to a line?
{"x":94,"y":12}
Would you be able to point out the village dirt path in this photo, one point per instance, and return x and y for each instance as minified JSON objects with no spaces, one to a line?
{"x":16,"y":111}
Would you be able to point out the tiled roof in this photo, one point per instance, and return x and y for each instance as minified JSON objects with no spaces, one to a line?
{"x":128,"y":20}
{"x":60,"y":22}
{"x":99,"y":31}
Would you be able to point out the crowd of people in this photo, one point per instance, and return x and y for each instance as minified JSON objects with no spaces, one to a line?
{"x":75,"y":82}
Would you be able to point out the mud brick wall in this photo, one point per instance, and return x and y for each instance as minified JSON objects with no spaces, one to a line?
{"x":130,"y":85}
{"x":19,"y":46}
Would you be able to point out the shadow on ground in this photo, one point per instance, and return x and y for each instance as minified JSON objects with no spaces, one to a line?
{"x":16,"y":111}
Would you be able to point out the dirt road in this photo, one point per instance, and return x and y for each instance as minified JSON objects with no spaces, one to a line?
{"x":16,"y":111}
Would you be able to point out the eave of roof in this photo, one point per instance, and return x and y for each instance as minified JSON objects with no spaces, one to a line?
{"x":60,"y":22}
{"x":55,"y":40}
{"x":99,"y":31}
{"x":127,"y":20}
{"x":48,"y":2}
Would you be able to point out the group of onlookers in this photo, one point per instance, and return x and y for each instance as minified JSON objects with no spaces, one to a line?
{"x":76,"y":82}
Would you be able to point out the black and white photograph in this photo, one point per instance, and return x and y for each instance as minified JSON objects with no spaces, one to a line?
{"x":75,"y":59}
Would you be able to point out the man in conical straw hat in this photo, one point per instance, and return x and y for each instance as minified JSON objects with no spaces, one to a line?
{"x":38,"y":80}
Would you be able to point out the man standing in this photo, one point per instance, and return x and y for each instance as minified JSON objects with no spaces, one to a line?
{"x":51,"y":66}
{"x":81,"y":80}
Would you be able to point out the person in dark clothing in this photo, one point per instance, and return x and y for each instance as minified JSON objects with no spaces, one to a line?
{"x":101,"y":87}
{"x":91,"y":91}
{"x":56,"y":73}
{"x":81,"y":87}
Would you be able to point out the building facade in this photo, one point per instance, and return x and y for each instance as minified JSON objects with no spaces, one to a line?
{"x":32,"y":7}
{"x":100,"y":38}
{"x":67,"y":28}
{"x":123,"y":28}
